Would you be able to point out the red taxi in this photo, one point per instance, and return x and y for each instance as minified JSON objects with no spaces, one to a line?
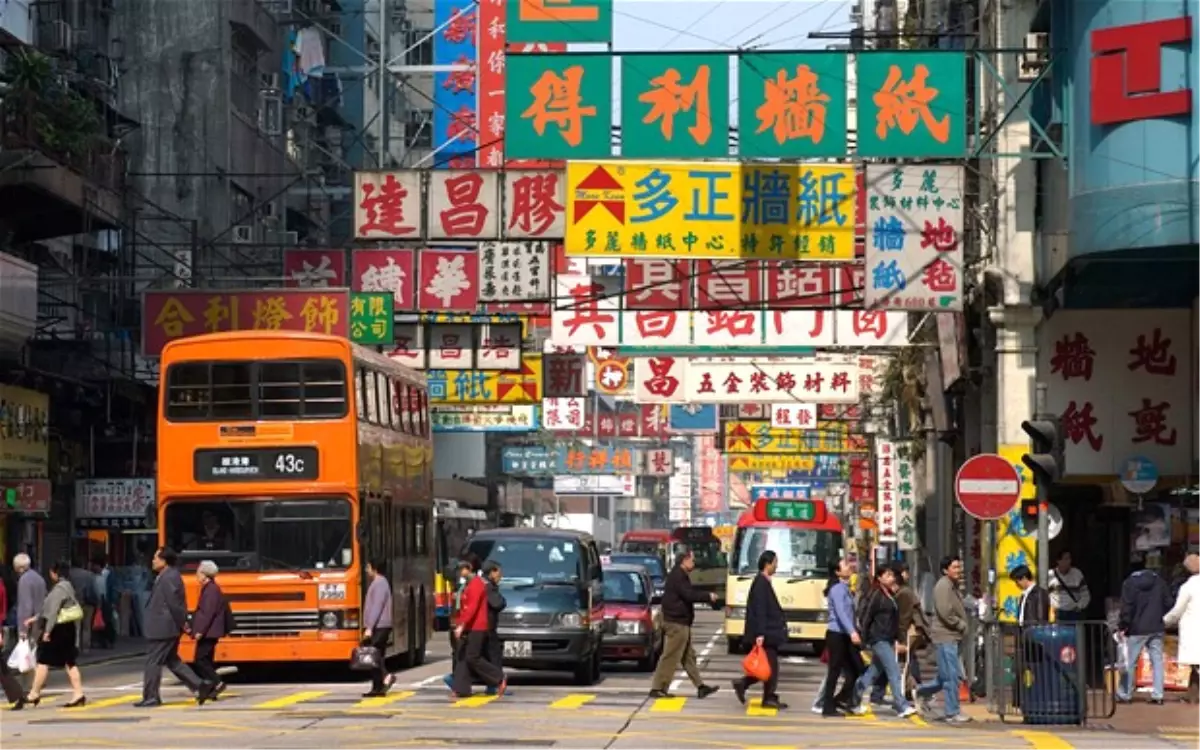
{"x":633,"y":617}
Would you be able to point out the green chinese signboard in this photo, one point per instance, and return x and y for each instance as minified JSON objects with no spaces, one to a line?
{"x":790,"y":510}
{"x":792,"y":105}
{"x":912,"y":104}
{"x":551,"y":21}
{"x":675,"y":106}
{"x":371,"y":318}
{"x":558,"y":107}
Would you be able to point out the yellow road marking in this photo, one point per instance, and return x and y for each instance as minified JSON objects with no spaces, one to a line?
{"x":45,"y":699}
{"x":383,"y":700}
{"x":573,"y":701}
{"x":755,"y":708}
{"x":915,"y":719}
{"x":475,"y":701}
{"x":293,"y":699}
{"x":1044,"y":740}
{"x":191,"y":702}
{"x":868,"y":716}
{"x":668,"y":705}
{"x":120,"y":700}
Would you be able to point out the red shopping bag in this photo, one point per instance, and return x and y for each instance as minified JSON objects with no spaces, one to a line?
{"x":98,"y":620}
{"x":824,"y":656}
{"x":755,"y":665}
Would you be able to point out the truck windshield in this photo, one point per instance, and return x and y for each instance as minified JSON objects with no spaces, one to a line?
{"x":803,"y":553}
{"x":261,"y":534}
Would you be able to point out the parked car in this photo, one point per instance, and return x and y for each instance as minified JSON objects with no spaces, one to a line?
{"x":554,"y":589}
{"x":634,"y":621}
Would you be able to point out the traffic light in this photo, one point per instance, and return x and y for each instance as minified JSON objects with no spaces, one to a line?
{"x":1046,"y":460}
{"x":1030,"y":509}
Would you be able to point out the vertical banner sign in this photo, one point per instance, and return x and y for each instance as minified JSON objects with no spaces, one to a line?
{"x":885,"y":464}
{"x":1015,"y":545}
{"x":455,"y":130}
{"x":492,"y":55}
{"x":914,"y":237}
{"x":906,"y":507}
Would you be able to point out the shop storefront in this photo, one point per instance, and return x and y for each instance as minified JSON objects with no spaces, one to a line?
{"x":24,"y":469}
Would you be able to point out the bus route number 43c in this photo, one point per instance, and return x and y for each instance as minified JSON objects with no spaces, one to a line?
{"x":256,"y":464}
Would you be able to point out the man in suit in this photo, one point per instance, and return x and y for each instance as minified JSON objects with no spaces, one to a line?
{"x":165,"y":621}
{"x":1034,"y":607}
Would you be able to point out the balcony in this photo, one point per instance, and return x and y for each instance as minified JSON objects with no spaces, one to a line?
{"x":255,"y":23}
{"x":55,"y":179}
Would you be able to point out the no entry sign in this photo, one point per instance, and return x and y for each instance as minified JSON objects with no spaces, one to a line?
{"x":987,"y":486}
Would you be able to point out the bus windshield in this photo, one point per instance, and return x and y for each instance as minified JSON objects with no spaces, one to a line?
{"x":640,"y":548}
{"x":803,"y":553}
{"x":707,"y":554}
{"x":257,"y":534}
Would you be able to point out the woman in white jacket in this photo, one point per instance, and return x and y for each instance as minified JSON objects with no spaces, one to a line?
{"x":1186,"y":612}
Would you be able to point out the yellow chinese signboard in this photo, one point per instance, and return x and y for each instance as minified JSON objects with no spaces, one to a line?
{"x":481,"y":387}
{"x":776,"y":464}
{"x":757,"y":436}
{"x":710,"y":210}
{"x":24,"y":432}
{"x":1013,"y":545}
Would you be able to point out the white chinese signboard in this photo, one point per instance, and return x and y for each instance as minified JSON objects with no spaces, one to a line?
{"x":657,"y":462}
{"x":885,"y":483}
{"x":506,"y":419}
{"x":514,"y":271}
{"x":387,"y":205}
{"x":793,"y":416}
{"x":585,"y":310}
{"x":715,"y":380}
{"x":906,"y":504}
{"x":914,"y":258}
{"x":534,"y":204}
{"x":113,"y":498}
{"x":1121,"y":382}
{"x":568,"y":414}
{"x":463,"y":205}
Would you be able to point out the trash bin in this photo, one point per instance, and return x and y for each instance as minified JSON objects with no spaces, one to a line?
{"x":1048,"y":677}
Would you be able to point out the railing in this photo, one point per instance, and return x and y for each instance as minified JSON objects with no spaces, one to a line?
{"x":1063,"y":673}
{"x":100,"y":161}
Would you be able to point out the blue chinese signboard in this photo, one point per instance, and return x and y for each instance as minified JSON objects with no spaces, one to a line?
{"x":455,"y":133}
{"x":693,"y":418}
{"x":780,"y":492}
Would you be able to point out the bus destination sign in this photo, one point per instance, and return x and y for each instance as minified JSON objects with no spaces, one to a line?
{"x":790,"y":510}
{"x":255,"y":464}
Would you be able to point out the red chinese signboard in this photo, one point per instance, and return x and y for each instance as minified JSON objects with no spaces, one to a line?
{"x":654,"y":284}
{"x":33,"y":495}
{"x":449,"y":281}
{"x":386,"y":271}
{"x":314,"y":268}
{"x":167,"y":316}
{"x":726,"y":284}
{"x":796,"y":284}
{"x":1127,"y":76}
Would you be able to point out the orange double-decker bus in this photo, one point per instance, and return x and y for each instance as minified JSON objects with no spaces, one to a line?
{"x":290,"y":460}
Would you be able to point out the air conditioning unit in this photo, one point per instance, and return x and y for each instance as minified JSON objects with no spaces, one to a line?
{"x":62,"y":36}
{"x":243,"y":234}
{"x":1035,"y":57}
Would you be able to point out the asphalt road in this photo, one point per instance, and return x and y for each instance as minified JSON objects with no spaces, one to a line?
{"x":286,"y":709}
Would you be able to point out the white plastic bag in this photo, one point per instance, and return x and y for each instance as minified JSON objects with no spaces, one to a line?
{"x":23,"y":657}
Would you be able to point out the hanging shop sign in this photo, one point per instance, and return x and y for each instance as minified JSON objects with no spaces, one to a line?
{"x":371,"y":317}
{"x":566,"y":375}
{"x":389,"y":271}
{"x":463,"y":205}
{"x":567,"y":414}
{"x":455,"y":88}
{"x":915,"y":228}
{"x":827,"y":466}
{"x":31,"y":496}
{"x":793,"y":416}
{"x":167,"y":316}
{"x":791,"y":105}
{"x":727,"y":380}
{"x":707,"y":210}
{"x":455,"y":346}
{"x":595,"y":459}
{"x":24,"y":432}
{"x":693,"y":418}
{"x":746,"y":436}
{"x":887,"y":476}
{"x":511,"y":419}
{"x":514,"y":271}
{"x":454,"y":387}
{"x":906,"y":504}
{"x":113,"y":498}
{"x":624,"y":420}
{"x":562,"y":21}
{"x":448,"y":280}
{"x":314,"y":268}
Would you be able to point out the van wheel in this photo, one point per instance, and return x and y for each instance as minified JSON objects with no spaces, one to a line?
{"x":733,"y":646}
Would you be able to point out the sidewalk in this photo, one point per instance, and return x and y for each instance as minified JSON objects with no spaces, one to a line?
{"x":1173,"y":718}
{"x":126,"y":648}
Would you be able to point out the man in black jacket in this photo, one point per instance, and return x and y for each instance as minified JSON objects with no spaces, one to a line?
{"x":678,"y":612}
{"x":1145,"y":598}
{"x":766,"y":626}
{"x":1034,"y":607}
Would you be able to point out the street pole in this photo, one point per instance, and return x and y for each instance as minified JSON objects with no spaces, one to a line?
{"x":1043,"y":499}
{"x":385,"y":126}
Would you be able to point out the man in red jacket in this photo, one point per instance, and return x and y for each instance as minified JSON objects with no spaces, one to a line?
{"x":471,"y":634}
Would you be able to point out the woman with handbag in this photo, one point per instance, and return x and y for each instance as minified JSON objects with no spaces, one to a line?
{"x":377,"y":627}
{"x":55,"y":633}
{"x":766,"y":629}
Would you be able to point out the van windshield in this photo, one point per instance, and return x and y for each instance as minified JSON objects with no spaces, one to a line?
{"x":531,"y":561}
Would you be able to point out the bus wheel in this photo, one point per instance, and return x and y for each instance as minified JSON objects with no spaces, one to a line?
{"x":422,"y":635}
{"x":733,"y":646}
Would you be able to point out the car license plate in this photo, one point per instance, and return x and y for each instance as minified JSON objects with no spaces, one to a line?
{"x":795,"y":630}
{"x":518,"y":649}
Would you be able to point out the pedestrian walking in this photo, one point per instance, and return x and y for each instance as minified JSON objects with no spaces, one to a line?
{"x":766,"y":626}
{"x":55,"y":631}
{"x":1069,"y":593}
{"x":165,"y":622}
{"x":946,"y":630}
{"x":496,"y":604}
{"x":1186,"y":614}
{"x":1145,"y":601}
{"x":679,"y":602}
{"x":212,"y":620}
{"x":377,"y":626}
{"x":31,"y":593}
{"x":8,"y":681}
{"x":880,"y":631}
{"x":84,"y":583}
{"x":914,"y":636}
{"x":467,"y":567}
{"x":1034,"y":605}
{"x":472,"y":633}
{"x":842,"y":640}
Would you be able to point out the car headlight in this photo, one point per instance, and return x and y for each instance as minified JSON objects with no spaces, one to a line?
{"x":570,"y":620}
{"x":329,"y":620}
{"x":735,"y":613}
{"x":629,"y":627}
{"x":328,"y":591}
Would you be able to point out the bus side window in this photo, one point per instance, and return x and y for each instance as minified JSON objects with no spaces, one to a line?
{"x":405,"y":407}
{"x":423,"y":412}
{"x":372,"y":411}
{"x":360,"y":392}
{"x":385,"y":400}
{"x":397,"y":412}
{"x":420,"y":529}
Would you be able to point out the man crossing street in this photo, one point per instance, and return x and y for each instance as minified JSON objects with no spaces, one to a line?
{"x":679,"y":612}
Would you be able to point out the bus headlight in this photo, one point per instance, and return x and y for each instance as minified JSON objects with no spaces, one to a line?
{"x":735,"y":613}
{"x":329,"y":620}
